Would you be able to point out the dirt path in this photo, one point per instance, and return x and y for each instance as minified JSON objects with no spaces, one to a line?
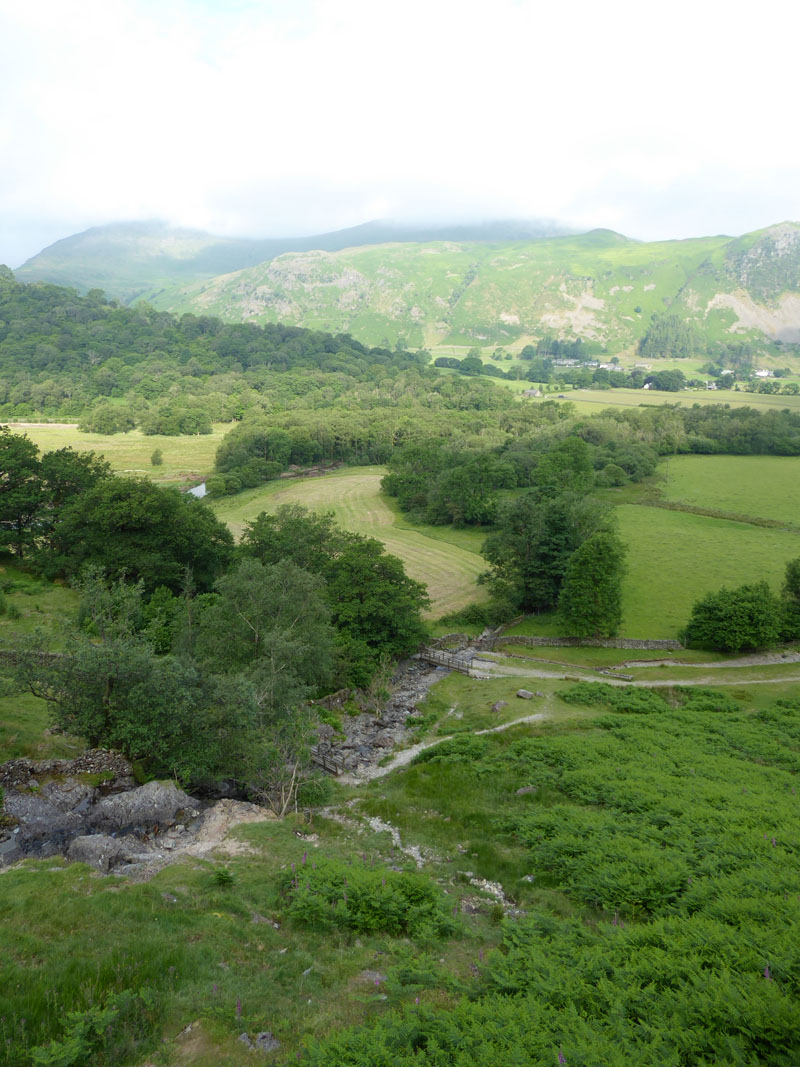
{"x":576,"y":673}
{"x":758,"y":659}
{"x":402,"y":759}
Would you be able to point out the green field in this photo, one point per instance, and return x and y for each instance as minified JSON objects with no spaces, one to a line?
{"x":765,"y":487}
{"x":589,"y":401}
{"x":676,"y":557}
{"x":186,"y":460}
{"x":446,"y":560}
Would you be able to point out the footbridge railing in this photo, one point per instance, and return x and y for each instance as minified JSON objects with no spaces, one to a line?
{"x":455,"y":661}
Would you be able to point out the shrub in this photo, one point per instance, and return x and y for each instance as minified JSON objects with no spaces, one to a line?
{"x":733,"y":619}
{"x":104,"y":1034}
{"x":328,"y":894}
{"x":626,"y":699}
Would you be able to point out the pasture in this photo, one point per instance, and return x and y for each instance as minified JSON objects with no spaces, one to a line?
{"x":763,"y":487}
{"x":186,"y":460}
{"x":588,"y":401}
{"x":446,"y":560}
{"x":675,"y":557}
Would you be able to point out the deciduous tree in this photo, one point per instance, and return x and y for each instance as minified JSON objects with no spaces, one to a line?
{"x":590,"y":601}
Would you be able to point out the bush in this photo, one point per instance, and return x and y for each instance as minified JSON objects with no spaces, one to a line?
{"x":730,"y":620}
{"x":631,"y":699}
{"x":103,"y":1035}
{"x":625,"y":699}
{"x":314,"y":791}
{"x":328,"y":894}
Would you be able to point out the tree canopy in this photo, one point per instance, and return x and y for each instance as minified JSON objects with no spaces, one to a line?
{"x":730,"y":620}
{"x":590,"y":600}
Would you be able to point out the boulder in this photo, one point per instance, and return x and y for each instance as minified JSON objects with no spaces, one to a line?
{"x":69,"y":794}
{"x":9,"y":849}
{"x":500,"y":705}
{"x":156,"y":803}
{"x":266,"y":1041}
{"x":40,"y":822}
{"x":525,"y":694}
{"x":98,"y":850}
{"x":263,"y":1042}
{"x":383,"y":740}
{"x":526,"y":789}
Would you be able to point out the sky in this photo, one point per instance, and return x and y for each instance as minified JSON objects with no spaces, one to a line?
{"x":268,"y":118}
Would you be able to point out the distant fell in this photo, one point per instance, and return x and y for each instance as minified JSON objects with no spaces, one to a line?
{"x":129,"y":259}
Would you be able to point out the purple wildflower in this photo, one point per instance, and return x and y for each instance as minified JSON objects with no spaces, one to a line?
{"x":561,"y":1057}
{"x":305,"y":857}
{"x":767,"y":974}
{"x":416,"y":1000}
{"x":774,"y":842}
{"x":238,"y":1008}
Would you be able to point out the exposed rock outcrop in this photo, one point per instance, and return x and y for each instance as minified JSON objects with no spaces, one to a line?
{"x":156,"y":804}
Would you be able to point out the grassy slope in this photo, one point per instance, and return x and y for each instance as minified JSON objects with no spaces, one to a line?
{"x":446,"y":560}
{"x":462,"y":293}
{"x":66,"y":932}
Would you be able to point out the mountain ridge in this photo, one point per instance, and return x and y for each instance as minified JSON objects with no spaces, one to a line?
{"x":128,"y":259}
{"x":601,"y":286}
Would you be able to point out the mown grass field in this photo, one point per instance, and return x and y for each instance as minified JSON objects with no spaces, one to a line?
{"x":186,"y":460}
{"x":765,"y":487}
{"x":446,"y":560}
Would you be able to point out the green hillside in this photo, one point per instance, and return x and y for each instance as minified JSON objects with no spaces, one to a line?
{"x":600,"y":286}
{"x":129,"y":259}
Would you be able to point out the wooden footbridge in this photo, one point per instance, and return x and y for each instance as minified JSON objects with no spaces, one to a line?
{"x":454,"y":661}
{"x":329,"y":761}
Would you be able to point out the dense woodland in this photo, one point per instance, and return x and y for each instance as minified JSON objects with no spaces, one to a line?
{"x":67,"y":356}
{"x":150,"y":667}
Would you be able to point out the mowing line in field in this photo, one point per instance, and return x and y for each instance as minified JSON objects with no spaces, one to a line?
{"x":353,"y":495}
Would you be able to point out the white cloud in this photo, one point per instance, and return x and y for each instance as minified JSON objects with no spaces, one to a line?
{"x":294,"y":117}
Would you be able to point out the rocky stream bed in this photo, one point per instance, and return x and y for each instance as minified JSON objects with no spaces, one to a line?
{"x":91,"y":809}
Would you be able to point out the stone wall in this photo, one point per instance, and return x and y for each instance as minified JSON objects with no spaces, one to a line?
{"x":665,"y":645}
